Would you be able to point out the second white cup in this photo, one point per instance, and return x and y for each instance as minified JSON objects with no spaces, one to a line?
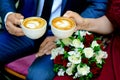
{"x":62,"y":27}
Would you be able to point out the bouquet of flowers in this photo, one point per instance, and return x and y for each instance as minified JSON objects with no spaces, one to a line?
{"x":81,"y":56}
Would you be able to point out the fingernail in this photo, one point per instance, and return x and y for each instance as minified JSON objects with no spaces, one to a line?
{"x":22,"y":16}
{"x":47,"y":53}
{"x":36,"y":55}
{"x":65,"y":15}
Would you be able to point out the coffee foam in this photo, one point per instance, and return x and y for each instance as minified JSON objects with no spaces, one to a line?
{"x":33,"y":23}
{"x":63,"y":23}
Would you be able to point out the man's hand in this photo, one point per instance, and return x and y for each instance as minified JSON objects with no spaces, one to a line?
{"x":12,"y":23}
{"x":46,"y":46}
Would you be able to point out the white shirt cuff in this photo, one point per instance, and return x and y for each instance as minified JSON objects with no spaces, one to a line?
{"x":7,"y":16}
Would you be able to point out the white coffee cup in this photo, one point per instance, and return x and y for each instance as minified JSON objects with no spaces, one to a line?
{"x":62,"y":27}
{"x":34,"y":27}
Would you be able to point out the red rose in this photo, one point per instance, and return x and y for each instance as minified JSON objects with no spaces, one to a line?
{"x":66,"y":48}
{"x":58,"y":59}
{"x":102,"y":47}
{"x":99,"y":41}
{"x":88,"y":40}
{"x":63,"y":78}
{"x":93,"y":64}
{"x":94,"y":69}
{"x":65,"y":62}
{"x":85,"y":60}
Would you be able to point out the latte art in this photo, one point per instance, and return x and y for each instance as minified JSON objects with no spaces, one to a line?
{"x":33,"y":23}
{"x":63,"y":23}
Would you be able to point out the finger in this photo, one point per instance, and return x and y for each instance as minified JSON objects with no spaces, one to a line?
{"x":45,"y":49}
{"x":19,"y":16}
{"x":48,"y":48}
{"x":67,"y":14}
{"x":48,"y":39}
{"x":19,"y":32}
{"x":17,"y":21}
{"x":9,"y":27}
{"x":14,"y":18}
{"x":49,"y":51}
{"x":38,"y":54}
{"x":44,"y":43}
{"x":13,"y":29}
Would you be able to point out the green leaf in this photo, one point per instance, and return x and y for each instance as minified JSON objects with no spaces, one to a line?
{"x":62,"y":43}
{"x":97,"y":48}
{"x":79,"y":37}
{"x":66,"y":55}
{"x":99,"y":65}
{"x":56,"y":68}
{"x":90,"y":75}
{"x":81,"y":78}
{"x":80,"y":50}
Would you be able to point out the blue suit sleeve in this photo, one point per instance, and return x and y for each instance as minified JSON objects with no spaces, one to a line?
{"x":6,"y":6}
{"x":96,"y":9}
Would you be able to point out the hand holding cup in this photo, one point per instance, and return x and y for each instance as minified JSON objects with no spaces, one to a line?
{"x":34,"y":27}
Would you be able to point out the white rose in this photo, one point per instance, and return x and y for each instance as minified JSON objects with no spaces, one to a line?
{"x":94,"y":43}
{"x":77,"y":43}
{"x":75,"y":58}
{"x":101,"y":55}
{"x":89,"y":52}
{"x":83,"y":70}
{"x":56,"y":51}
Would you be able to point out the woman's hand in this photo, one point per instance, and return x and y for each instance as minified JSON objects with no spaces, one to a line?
{"x":81,"y":23}
{"x":46,"y":46}
{"x":99,"y":25}
{"x":12,"y":23}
